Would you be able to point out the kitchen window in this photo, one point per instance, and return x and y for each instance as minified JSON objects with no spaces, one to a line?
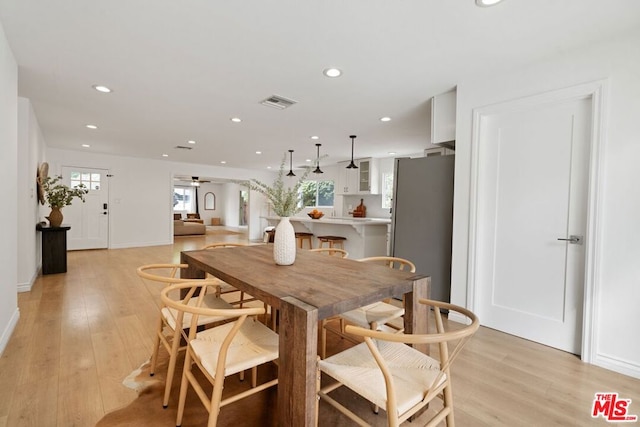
{"x":317,"y":193}
{"x":387,"y":190}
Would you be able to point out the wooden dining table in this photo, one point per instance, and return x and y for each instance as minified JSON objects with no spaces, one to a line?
{"x":315,"y":287}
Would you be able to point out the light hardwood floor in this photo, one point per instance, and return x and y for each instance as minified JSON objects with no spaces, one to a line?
{"x":81,"y":333}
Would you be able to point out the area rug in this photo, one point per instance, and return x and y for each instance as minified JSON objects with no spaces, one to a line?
{"x":146,"y":409}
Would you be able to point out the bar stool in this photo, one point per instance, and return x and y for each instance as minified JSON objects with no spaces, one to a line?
{"x":301,"y":237}
{"x":269,"y":234}
{"x":332,"y":241}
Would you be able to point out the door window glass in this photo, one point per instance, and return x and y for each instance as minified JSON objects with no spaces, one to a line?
{"x":89,"y":180}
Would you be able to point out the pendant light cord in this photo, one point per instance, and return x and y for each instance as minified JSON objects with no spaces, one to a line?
{"x":318,"y":170}
{"x":291,"y":164}
{"x":352,"y":165}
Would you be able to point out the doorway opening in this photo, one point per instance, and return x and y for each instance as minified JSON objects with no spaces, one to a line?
{"x":217,"y":203}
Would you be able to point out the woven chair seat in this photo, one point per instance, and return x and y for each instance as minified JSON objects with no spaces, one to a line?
{"x":412,"y":371}
{"x":378,"y":312}
{"x":253,"y":345}
{"x":210,"y":301}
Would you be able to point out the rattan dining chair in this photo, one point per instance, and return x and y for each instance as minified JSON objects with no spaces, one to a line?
{"x":168,"y":330}
{"x":332,"y":251}
{"x":226,"y":288}
{"x":372,"y":316}
{"x":391,"y":374}
{"x":241,"y":343}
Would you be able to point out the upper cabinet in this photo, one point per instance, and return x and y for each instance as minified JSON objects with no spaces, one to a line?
{"x":363,"y":180}
{"x":443,"y":119}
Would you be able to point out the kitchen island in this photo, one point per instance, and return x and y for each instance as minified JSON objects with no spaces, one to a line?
{"x":365,"y":236}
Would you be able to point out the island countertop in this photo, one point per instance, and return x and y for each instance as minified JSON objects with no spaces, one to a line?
{"x":336,"y":220}
{"x":365,"y":237}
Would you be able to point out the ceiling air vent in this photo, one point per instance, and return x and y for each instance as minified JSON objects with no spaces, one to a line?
{"x":278,"y":102}
{"x":182,"y":147}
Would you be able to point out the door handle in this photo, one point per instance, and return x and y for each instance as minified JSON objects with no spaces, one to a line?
{"x":573,"y":239}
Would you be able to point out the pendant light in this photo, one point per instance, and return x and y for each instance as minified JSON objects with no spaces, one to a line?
{"x":352,"y":165}
{"x":291,"y":164}
{"x":318,"y":160}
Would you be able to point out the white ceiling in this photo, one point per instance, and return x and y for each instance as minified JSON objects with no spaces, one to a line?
{"x":181,"y":69}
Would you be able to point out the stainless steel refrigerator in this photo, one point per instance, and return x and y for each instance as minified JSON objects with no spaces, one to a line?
{"x":422,"y":217}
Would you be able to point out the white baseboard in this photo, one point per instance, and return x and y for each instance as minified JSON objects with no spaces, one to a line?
{"x":615,"y":364}
{"x":139,"y":244}
{"x":457,"y":317}
{"x":8,"y":331}
{"x":26,"y":287}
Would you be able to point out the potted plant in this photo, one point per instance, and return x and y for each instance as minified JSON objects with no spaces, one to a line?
{"x":58,"y":196}
{"x":285,"y":202}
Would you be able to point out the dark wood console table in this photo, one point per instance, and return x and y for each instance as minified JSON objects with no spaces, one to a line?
{"x":54,"y":248}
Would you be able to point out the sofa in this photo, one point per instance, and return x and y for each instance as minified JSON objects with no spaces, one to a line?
{"x":182,"y":228}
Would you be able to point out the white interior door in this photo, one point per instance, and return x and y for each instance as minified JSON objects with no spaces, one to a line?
{"x":89,"y":221}
{"x":531,"y":192}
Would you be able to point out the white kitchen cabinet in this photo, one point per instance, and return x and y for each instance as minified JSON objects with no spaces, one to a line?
{"x":363,"y":180}
{"x":443,"y":119}
{"x":347,"y":179}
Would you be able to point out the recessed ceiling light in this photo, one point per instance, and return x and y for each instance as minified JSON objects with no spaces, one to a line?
{"x":315,"y":137}
{"x":393,"y":153}
{"x":91,"y":127}
{"x":236,"y":119}
{"x":486,"y":3}
{"x":191,"y":141}
{"x":165,"y":155}
{"x":268,"y":167}
{"x":258,"y":152}
{"x":224,"y":162}
{"x":307,"y":160}
{"x":385,"y":119}
{"x":101,"y":88}
{"x":332,"y":72}
{"x":86,"y":145}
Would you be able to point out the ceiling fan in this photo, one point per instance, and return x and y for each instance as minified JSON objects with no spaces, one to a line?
{"x":194,"y":181}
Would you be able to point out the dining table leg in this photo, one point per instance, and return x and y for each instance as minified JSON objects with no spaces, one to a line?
{"x":191,"y":272}
{"x":416,"y":316}
{"x":297,"y":363}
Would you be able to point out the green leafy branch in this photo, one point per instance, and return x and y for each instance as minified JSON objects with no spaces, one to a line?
{"x":285,"y":201}
{"x":59,"y":195}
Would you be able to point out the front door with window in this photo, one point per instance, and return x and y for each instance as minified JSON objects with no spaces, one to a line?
{"x":89,"y":221}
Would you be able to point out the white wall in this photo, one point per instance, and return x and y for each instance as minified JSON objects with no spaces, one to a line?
{"x":31,"y":152}
{"x":231,"y":196}
{"x":9,"y":313}
{"x":618,"y":269}
{"x":216,"y":189}
{"x":141,"y":193}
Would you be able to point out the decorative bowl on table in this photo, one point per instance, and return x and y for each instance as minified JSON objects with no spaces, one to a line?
{"x":315,"y":214}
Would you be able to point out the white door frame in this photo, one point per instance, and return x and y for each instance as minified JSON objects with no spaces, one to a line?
{"x":596,"y":92}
